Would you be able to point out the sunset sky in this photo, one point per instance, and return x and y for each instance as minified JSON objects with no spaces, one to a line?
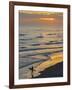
{"x":40,"y":19}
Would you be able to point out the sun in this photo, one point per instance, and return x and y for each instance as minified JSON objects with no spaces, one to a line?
{"x":47,"y":19}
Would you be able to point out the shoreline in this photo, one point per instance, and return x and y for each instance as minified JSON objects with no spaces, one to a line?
{"x":52,"y":61}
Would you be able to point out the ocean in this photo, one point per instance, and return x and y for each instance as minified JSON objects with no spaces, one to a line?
{"x":36,"y":48}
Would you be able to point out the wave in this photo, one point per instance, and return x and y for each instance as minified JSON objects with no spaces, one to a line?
{"x":45,"y":53}
{"x":26,"y":49}
{"x":25,"y":64}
